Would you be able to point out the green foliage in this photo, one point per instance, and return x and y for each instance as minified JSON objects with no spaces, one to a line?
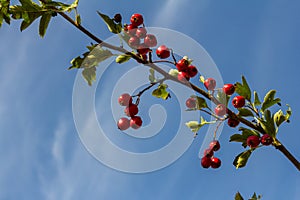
{"x":89,"y":74}
{"x":243,"y":137}
{"x":238,"y":196}
{"x":279,"y":117}
{"x":200,"y":102}
{"x":245,"y":112}
{"x":256,"y":99}
{"x":111,"y":24}
{"x":195,"y":125}
{"x":243,"y":89}
{"x":4,"y":11}
{"x":241,"y":159}
{"x":161,"y":92}
{"x":152,"y":78}
{"x":267,"y":123}
{"x":122,"y":58}
{"x":269,"y":100}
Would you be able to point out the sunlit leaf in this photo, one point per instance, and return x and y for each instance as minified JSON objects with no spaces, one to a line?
{"x":89,"y":74}
{"x":111,"y":24}
{"x":245,"y":112}
{"x":238,"y":196}
{"x":241,"y":159}
{"x":269,"y":100}
{"x":44,"y":22}
{"x":243,"y":89}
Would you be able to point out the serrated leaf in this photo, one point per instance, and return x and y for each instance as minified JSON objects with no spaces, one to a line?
{"x":122,"y":58}
{"x":152,"y":75}
{"x":242,"y":159}
{"x":44,"y":22}
{"x":256,"y":99}
{"x":238,"y":196}
{"x":245,"y":112}
{"x":243,"y":89}
{"x":279,"y":117}
{"x":89,"y":74}
{"x":60,"y":6}
{"x":161,"y":92}
{"x":111,"y":25}
{"x":173,"y":72}
{"x":269,"y":100}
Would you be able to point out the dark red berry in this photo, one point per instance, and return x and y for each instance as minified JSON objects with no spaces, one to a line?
{"x":215,"y":145}
{"x":134,"y":42}
{"x":205,"y":162}
{"x":190,"y":102}
{"x":118,"y":18}
{"x":163,"y":52}
{"x":141,"y":32}
{"x":215,"y":162}
{"x":123,"y":123}
{"x":192,"y":71}
{"x":266,"y":139}
{"x":182,"y":65}
{"x":221,"y":110}
{"x":125,"y":99}
{"x":228,"y":89}
{"x":131,"y":110}
{"x":136,"y":122}
{"x":208,"y":153}
{"x":137,"y":19}
{"x":210,"y":84}
{"x":233,"y":122}
{"x":238,"y":101}
{"x":130,"y":29}
{"x":143,"y":49}
{"x":150,"y":40}
{"x":183,"y":77}
{"x":253,"y":141}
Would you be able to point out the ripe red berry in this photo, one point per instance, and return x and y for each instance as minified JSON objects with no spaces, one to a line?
{"x":221,"y":110}
{"x":183,"y":77}
{"x":163,"y":52}
{"x":125,"y":99}
{"x":123,"y":123}
{"x":150,"y":40}
{"x":208,"y":153}
{"x":215,"y":145}
{"x":130,"y":29}
{"x":134,"y":42}
{"x":232,"y":122}
{"x":266,"y":139}
{"x":205,"y":162}
{"x":238,"y":101}
{"x":192,"y":71}
{"x":131,"y":110}
{"x":136,"y":19}
{"x":136,"y":122}
{"x":141,"y":32}
{"x":253,"y":141}
{"x":228,"y":89}
{"x":215,"y":162}
{"x":182,"y":65}
{"x":143,"y":49}
{"x":190,"y":102}
{"x":210,"y":84}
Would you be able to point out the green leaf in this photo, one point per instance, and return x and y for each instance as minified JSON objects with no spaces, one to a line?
{"x":152,"y":75}
{"x":200,"y":102}
{"x":112,"y":26}
{"x":161,"y":92}
{"x":44,"y":22}
{"x":122,"y":58}
{"x":269,"y":100}
{"x":241,"y":159}
{"x":89,"y":74}
{"x":256,"y":99}
{"x":243,"y":89}
{"x":243,"y":137}
{"x":279,"y":117}
{"x":195,"y":126}
{"x":173,"y":72}
{"x":4,"y":11}
{"x":238,"y":196}
{"x":268,"y":123}
{"x":60,"y":6}
{"x":245,"y":112}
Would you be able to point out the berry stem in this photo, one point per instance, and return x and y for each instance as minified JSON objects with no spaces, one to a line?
{"x":164,"y":61}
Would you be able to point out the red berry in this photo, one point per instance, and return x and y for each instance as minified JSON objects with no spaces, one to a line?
{"x":190,"y":102}
{"x":228,"y":89}
{"x":206,"y":162}
{"x":192,"y":71}
{"x":136,"y":19}
{"x":163,"y":52}
{"x":143,"y":49}
{"x":215,"y":162}
{"x":183,"y":77}
{"x":131,"y":110}
{"x":141,"y":32}
{"x":136,"y":122}
{"x":134,"y":42}
{"x":233,"y":122}
{"x":208,"y":153}
{"x":123,"y":123}
{"x":182,"y":65}
{"x":130,"y":29}
{"x":238,"y":101}
{"x":215,"y":145}
{"x":150,"y":40}
{"x":221,"y":110}
{"x":253,"y":141}
{"x":125,"y":99}
{"x":266,"y":139}
{"x":210,"y":84}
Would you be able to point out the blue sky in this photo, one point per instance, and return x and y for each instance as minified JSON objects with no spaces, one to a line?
{"x":42,"y":155}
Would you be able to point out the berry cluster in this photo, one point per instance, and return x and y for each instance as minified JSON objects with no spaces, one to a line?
{"x":253,"y":141}
{"x":131,"y":110}
{"x":208,"y":159}
{"x":186,"y":70}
